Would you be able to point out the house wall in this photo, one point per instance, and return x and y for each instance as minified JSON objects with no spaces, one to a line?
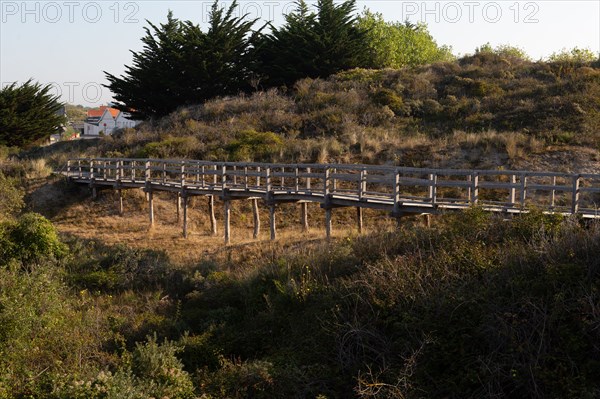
{"x":109,"y":121}
{"x":123,"y":121}
{"x":90,"y":129}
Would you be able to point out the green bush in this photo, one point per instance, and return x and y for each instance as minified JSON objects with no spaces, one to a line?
{"x":159,"y":371}
{"x":11,"y":198}
{"x":250,"y":145}
{"x":172,"y":147}
{"x":122,"y":268}
{"x":31,"y":240}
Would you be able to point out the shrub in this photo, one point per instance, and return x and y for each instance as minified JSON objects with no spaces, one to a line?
{"x":172,"y":147}
{"x":158,"y":369}
{"x":390,"y":98}
{"x":250,"y":145}
{"x":33,"y":239}
{"x":11,"y":198}
{"x":575,"y":55}
{"x":121,"y":269}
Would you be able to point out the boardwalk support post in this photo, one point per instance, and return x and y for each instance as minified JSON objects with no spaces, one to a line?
{"x":151,"y":206}
{"x":256,"y":218}
{"x":328,"y":222}
{"x":185,"y":212}
{"x":211,"y":212}
{"x":178,"y":207}
{"x":304,"y":216}
{"x":120,"y":201}
{"x":272,"y":221}
{"x":359,"y":218}
{"x":227,"y":206}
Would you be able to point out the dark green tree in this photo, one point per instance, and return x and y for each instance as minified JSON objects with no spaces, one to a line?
{"x":181,"y":65}
{"x":152,"y":85}
{"x":29,"y":113}
{"x":314,"y":44}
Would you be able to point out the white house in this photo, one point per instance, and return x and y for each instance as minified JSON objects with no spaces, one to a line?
{"x":106,"y":120}
{"x":124,"y":120}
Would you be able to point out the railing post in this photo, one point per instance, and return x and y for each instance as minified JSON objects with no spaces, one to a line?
{"x":513,"y":191}
{"x":362,"y":184}
{"x":397,"y":203}
{"x":147,"y":171}
{"x":133,"y":165}
{"x":326,"y":181}
{"x":258,"y":169}
{"x":297,"y":179}
{"x":164,"y":170}
{"x":433,"y":188}
{"x":282,"y":177}
{"x":79,"y":167}
{"x":203,"y":177}
{"x":308,"y":170}
{"x":553,"y":194}
{"x":474,"y":188}
{"x":118,"y":170}
{"x":245,"y":177}
{"x":91,"y":169}
{"x":223,"y":176}
{"x":182,"y":174}
{"x":575,"y":194}
{"x":269,"y":186}
{"x":333,"y":181}
{"x":523,"y":190}
{"x":68,"y":167}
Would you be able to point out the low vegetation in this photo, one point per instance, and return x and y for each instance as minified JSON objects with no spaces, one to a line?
{"x":471,"y":307}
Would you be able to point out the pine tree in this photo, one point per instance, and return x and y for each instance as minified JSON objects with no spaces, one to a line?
{"x":28,"y":114}
{"x":181,"y":65}
{"x":313,"y":44}
{"x":152,"y":86}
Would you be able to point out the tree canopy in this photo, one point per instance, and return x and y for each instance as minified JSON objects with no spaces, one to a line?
{"x":313,"y":44}
{"x":182,"y":65}
{"x":28,"y":114}
{"x":397,"y":44}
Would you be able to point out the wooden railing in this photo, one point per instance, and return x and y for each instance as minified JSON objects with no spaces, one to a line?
{"x":399,"y":189}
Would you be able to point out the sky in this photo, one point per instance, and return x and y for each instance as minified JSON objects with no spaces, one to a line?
{"x":68,"y":44}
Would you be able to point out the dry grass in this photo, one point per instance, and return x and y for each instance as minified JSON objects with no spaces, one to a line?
{"x":99,"y":221}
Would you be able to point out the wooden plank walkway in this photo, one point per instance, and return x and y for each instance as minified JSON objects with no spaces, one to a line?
{"x":399,"y":190}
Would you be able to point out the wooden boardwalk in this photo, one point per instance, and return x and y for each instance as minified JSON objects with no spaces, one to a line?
{"x":399,"y":190}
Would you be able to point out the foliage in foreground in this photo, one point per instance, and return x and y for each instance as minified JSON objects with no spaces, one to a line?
{"x":473,"y":307}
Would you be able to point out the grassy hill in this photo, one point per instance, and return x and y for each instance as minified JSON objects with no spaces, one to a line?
{"x":485,"y":110}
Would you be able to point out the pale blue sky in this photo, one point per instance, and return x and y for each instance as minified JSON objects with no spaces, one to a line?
{"x":69,"y":43}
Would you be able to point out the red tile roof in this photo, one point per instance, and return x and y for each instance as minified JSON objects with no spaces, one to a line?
{"x":97,"y":113}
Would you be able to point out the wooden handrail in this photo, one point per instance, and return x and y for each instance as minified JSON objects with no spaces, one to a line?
{"x":432,"y":186}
